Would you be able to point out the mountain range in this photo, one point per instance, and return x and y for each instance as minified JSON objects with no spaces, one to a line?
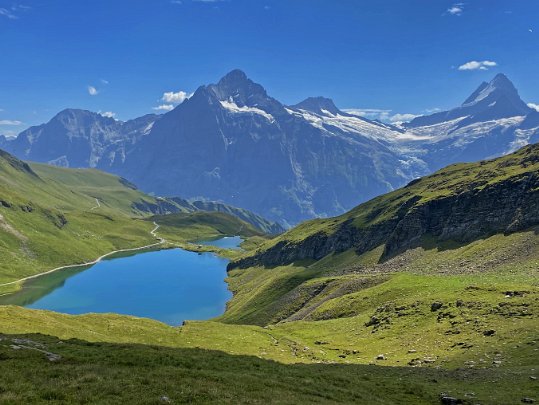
{"x":234,"y":143}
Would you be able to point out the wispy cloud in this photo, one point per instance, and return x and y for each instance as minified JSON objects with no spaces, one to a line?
{"x":164,"y":107}
{"x":478,"y":65}
{"x":534,"y":106}
{"x":370,"y":113}
{"x":456,"y":9}
{"x":8,"y":14}
{"x":381,"y":115}
{"x":108,"y":114}
{"x":12,"y":12}
{"x":397,"y":118}
{"x":92,"y":91}
{"x":10,"y":122}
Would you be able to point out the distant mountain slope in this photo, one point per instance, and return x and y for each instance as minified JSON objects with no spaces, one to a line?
{"x":80,"y":138}
{"x":460,"y":203}
{"x":232,"y":142}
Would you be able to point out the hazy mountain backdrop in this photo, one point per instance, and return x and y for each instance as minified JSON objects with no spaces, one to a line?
{"x":232,"y":142}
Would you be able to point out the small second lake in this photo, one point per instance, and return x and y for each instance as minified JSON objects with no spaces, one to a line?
{"x":228,"y":242}
{"x":167,"y":285}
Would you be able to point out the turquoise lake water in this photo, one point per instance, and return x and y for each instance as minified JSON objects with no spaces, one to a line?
{"x":167,"y":285}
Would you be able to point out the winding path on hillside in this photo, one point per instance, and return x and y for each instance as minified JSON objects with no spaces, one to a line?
{"x":97,"y":206}
{"x":152,"y":232}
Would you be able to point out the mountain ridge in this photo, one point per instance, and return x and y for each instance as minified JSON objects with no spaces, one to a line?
{"x":232,"y":142}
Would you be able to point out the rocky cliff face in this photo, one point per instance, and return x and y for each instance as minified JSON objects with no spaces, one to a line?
{"x":478,"y":209}
{"x":232,"y":142}
{"x":505,"y":207}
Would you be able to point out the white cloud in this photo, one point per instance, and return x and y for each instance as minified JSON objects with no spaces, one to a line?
{"x":478,"y":65}
{"x":176,"y":2}
{"x":370,"y":113}
{"x":108,"y":114}
{"x":172,"y":99}
{"x":534,"y":106}
{"x":92,"y":91}
{"x":176,"y":98}
{"x":164,"y":107}
{"x":403,"y":117}
{"x":456,"y":9}
{"x":10,"y":122}
{"x":9,"y":134}
{"x":104,"y":81}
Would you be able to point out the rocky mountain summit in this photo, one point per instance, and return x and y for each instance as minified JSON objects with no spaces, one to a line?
{"x":80,"y":138}
{"x":232,"y":142}
{"x":491,"y":122}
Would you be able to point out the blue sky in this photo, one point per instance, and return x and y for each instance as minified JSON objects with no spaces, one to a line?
{"x":121,"y":56}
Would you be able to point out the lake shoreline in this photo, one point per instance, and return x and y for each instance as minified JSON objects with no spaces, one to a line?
{"x":72,"y":266}
{"x":197,"y":288}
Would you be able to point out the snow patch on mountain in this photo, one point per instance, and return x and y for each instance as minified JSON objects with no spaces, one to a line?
{"x":235,"y":109}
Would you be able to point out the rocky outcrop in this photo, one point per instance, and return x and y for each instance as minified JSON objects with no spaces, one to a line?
{"x":504,"y":207}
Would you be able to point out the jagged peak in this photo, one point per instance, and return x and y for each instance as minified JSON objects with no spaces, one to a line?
{"x":499,"y":86}
{"x":69,"y":114}
{"x":317,"y":104}
{"x":236,"y":86}
{"x":234,"y":76}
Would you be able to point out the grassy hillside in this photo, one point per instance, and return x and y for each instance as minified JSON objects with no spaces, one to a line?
{"x":140,"y":374}
{"x":50,"y":217}
{"x":149,"y":360}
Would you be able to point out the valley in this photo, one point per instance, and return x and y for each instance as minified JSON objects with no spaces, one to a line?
{"x":277,"y":202}
{"x":444,"y":302}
